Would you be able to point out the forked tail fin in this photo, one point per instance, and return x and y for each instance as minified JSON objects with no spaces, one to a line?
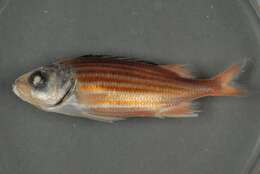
{"x":225,"y":82}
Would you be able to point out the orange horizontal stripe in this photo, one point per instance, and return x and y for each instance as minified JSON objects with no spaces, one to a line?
{"x":127,"y":102}
{"x":119,"y":113}
{"x":152,"y":70}
{"x":92,"y":98}
{"x":125,"y":87}
{"x":114,"y":88}
{"x":150,"y":81}
{"x":125,"y":73}
{"x":88,"y":78}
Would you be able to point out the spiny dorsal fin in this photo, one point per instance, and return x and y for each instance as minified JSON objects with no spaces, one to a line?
{"x":181,"y":70}
{"x":104,"y":58}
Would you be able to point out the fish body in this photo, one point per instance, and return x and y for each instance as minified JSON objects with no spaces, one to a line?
{"x":113,"y":88}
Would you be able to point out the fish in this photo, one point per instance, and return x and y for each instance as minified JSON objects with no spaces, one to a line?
{"x":109,"y":88}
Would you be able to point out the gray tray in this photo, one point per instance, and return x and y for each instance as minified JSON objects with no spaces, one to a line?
{"x":207,"y":34}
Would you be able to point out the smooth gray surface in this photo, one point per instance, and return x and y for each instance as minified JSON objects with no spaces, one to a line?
{"x":208,"y":34}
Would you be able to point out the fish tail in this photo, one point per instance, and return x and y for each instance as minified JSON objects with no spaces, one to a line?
{"x":225,"y":84}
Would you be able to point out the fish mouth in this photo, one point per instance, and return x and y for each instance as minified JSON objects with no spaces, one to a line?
{"x":15,"y":90}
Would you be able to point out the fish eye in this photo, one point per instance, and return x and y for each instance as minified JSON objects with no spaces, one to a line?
{"x":38,"y":80}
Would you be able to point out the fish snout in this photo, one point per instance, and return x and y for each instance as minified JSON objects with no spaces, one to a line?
{"x":20,"y":88}
{"x":17,"y":87}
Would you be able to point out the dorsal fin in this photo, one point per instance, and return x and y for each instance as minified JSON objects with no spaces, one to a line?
{"x":105,"y":58}
{"x":179,"y":69}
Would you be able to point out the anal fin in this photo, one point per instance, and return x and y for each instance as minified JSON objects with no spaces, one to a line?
{"x":184,"y":109}
{"x":107,"y":119}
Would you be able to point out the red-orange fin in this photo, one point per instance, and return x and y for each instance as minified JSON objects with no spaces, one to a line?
{"x":184,"y":109}
{"x":225,"y":84}
{"x":181,"y":70}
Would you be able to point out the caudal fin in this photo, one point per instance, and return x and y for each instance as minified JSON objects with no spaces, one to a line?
{"x":225,"y":82}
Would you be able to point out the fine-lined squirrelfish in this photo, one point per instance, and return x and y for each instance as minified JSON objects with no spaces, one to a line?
{"x":113,"y":88}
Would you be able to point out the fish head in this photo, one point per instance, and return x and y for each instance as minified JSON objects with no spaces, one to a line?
{"x":44,"y":87}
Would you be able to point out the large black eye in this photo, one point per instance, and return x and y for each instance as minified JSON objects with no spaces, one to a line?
{"x":38,"y":80}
